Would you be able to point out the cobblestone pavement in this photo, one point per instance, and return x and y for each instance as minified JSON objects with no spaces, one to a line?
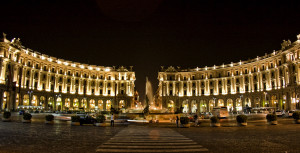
{"x":59,"y":138}
{"x":282,"y":138}
{"x":38,"y":137}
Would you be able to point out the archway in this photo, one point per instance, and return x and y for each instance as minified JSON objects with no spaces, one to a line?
{"x":230,"y":105}
{"x":185,"y":106}
{"x":171,"y":106}
{"x":100,"y":105}
{"x":67,"y":104}
{"x":43,"y":102}
{"x":25,"y":100}
{"x":283,"y":102}
{"x":34,"y":100}
{"x":203,"y":106}
{"x":274,"y":102}
{"x":211,"y":105}
{"x":5,"y":100}
{"x":121,"y":104}
{"x":108,"y":105}
{"x":58,"y":104}
{"x":75,"y":104}
{"x":247,"y":102}
{"x":297,"y":101}
{"x":92,"y":104}
{"x":220,"y":102}
{"x":238,"y":105}
{"x":84,"y":103}
{"x":50,"y":103}
{"x":194,"y":106}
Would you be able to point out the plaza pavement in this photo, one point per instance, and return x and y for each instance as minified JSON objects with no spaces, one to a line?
{"x":258,"y":136}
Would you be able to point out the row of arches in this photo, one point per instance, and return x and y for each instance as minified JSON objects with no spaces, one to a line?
{"x":237,"y":104}
{"x":62,"y":104}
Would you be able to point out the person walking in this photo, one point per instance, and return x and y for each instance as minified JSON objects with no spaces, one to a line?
{"x":177,"y":120}
{"x":112,"y":122}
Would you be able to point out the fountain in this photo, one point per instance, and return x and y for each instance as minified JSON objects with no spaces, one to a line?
{"x":149,"y":94}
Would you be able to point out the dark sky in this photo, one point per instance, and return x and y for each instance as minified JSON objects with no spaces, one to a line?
{"x":150,"y":33}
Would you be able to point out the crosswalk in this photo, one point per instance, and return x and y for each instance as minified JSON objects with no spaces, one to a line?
{"x":145,"y":139}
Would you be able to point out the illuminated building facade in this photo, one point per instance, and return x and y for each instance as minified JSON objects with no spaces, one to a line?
{"x":270,"y":81}
{"x":29,"y":79}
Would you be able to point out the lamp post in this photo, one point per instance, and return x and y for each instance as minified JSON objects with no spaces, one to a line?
{"x":30,"y":92}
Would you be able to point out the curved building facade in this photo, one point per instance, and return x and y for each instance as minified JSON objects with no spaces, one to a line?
{"x":271,"y":81}
{"x":31,"y":80}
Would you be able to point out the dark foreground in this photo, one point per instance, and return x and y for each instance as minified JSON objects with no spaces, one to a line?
{"x":61,"y":137}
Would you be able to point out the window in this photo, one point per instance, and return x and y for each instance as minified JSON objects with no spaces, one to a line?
{"x":184,"y":93}
{"x":228,"y":73}
{"x":210,"y":76}
{"x":202,"y":91}
{"x":93,"y":91}
{"x":237,"y":72}
{"x":193,"y":77}
{"x":122,"y":77}
{"x":211,"y":91}
{"x":108,"y":92}
{"x":194,"y":84}
{"x":238,"y":89}
{"x":100,"y":91}
{"x":184,"y":84}
{"x":109,"y":77}
{"x":108,"y":84}
{"x":171,"y":92}
{"x":246,"y":71}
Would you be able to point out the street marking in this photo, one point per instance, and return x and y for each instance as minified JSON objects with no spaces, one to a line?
{"x":144,"y":139}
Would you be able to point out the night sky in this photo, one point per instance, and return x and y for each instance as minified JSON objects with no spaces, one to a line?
{"x":150,"y":33}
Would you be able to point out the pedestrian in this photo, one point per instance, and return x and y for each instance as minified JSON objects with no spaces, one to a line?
{"x":177,"y":120}
{"x":196,"y":119}
{"x":112,"y":122}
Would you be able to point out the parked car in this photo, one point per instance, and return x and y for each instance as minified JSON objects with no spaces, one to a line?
{"x":87,"y":120}
{"x":290,"y":113}
{"x":206,"y":115}
{"x":278,"y":113}
{"x":21,"y":112}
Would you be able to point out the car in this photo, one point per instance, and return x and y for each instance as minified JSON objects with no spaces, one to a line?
{"x":278,"y":113}
{"x":87,"y":120}
{"x":290,"y":113}
{"x":21,"y":112}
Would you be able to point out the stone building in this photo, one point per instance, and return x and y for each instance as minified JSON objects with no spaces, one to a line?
{"x":31,"y":80}
{"x":270,"y":81}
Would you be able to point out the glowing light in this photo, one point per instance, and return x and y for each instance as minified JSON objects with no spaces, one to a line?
{"x":107,"y":69}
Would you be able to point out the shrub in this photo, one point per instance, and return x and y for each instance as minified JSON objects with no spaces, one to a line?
{"x":75,"y":118}
{"x":6,"y":114}
{"x":49,"y":117}
{"x":184,"y":120}
{"x":27,"y":116}
{"x":100,"y":118}
{"x":271,"y":117}
{"x":241,"y":118}
{"x":214,"y":119}
{"x":296,"y":115}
